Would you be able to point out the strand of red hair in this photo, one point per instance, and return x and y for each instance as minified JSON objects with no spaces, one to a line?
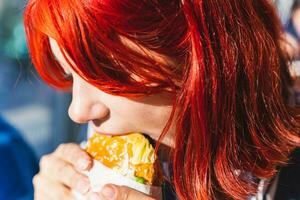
{"x":233,"y":121}
{"x":233,"y":101}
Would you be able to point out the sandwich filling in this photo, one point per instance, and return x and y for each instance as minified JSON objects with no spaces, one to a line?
{"x":131,"y":155}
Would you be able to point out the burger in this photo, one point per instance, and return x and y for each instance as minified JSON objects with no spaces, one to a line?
{"x":127,"y":160}
{"x":131,"y":155}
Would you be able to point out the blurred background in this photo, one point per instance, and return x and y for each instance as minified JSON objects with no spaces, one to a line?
{"x":34,"y":116}
{"x":37,"y":111}
{"x":39,"y":114}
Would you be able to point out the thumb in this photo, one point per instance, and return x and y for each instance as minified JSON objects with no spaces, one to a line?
{"x":114,"y":192}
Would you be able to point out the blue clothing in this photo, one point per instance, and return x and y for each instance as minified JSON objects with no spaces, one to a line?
{"x":289,"y":27}
{"x":18,"y":165}
{"x":168,"y":189}
{"x":288,"y":187}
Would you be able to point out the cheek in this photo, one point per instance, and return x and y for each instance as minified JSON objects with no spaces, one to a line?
{"x":152,"y":121}
{"x":151,"y":118}
{"x":143,"y":117}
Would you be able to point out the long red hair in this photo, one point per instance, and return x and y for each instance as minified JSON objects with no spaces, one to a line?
{"x":230,"y":81}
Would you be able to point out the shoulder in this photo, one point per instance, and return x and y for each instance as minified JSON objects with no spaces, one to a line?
{"x":18,"y":164}
{"x":288,"y":184}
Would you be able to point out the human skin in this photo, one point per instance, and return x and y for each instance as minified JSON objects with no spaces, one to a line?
{"x":107,"y":114}
{"x":296,"y":19}
{"x":292,"y":45}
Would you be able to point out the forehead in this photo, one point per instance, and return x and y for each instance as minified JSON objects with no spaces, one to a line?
{"x":144,"y":51}
{"x":155,"y":56}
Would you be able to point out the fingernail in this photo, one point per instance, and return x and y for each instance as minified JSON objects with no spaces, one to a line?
{"x":108,"y":192}
{"x":94,"y":197}
{"x":82,"y":186}
{"x":83,"y":163}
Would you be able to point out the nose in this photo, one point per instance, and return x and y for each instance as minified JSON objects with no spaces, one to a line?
{"x":86,"y":104}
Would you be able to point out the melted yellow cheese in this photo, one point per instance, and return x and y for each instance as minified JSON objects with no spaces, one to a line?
{"x":128,"y":153}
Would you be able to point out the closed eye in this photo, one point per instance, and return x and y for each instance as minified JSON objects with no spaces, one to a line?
{"x":68,"y":77}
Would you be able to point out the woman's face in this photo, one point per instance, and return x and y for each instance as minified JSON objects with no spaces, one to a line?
{"x":116,"y":115}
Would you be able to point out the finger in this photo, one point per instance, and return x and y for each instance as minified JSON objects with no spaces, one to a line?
{"x":58,"y":170}
{"x":74,"y":155}
{"x":41,"y":196}
{"x":113,"y":192}
{"x":126,"y":193}
{"x":49,"y":189}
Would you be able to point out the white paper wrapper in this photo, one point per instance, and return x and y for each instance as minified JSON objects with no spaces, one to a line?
{"x":100,"y":175}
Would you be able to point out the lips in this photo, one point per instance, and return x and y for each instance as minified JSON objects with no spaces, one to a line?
{"x":109,"y":133}
{"x":114,"y":126}
{"x":112,"y":134}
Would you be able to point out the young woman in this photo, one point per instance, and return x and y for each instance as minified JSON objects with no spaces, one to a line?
{"x":207,"y":78}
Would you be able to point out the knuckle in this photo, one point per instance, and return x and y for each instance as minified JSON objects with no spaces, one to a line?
{"x":71,"y":178}
{"x":70,"y":152}
{"x":61,"y":148}
{"x":62,"y":168}
{"x":74,"y":179}
{"x":67,"y":174}
{"x":35,"y":180}
{"x":44,"y":161}
{"x":75,"y":151}
{"x":74,"y":155}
